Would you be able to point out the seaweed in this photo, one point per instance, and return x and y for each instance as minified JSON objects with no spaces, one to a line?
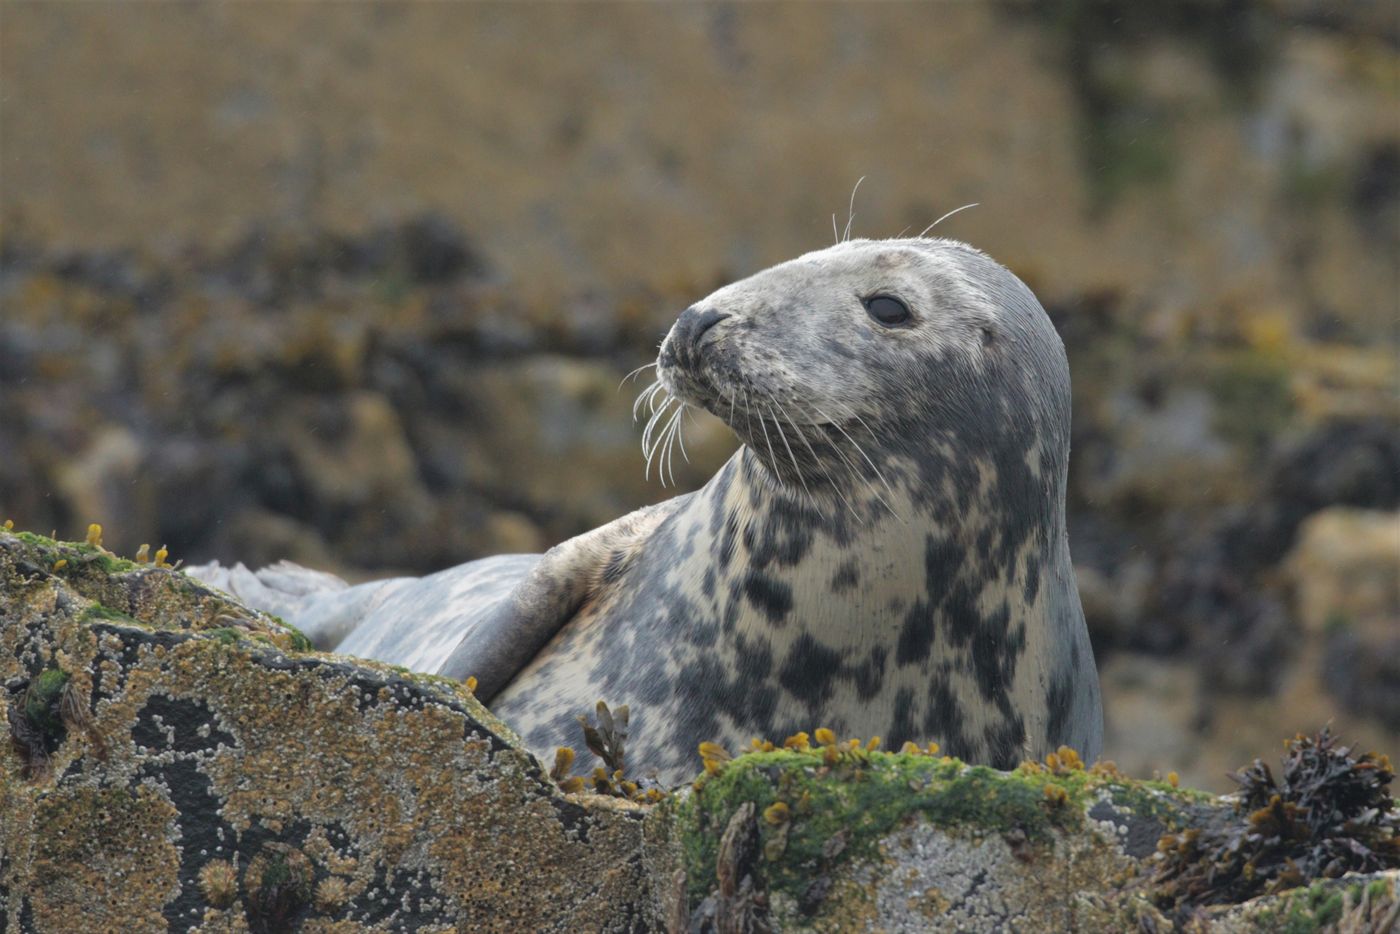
{"x":1329,"y":813}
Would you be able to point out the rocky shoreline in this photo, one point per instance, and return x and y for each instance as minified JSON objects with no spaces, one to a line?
{"x":177,"y":760}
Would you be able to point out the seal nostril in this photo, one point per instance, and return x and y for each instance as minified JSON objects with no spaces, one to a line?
{"x":707,"y":320}
{"x":690,"y":327}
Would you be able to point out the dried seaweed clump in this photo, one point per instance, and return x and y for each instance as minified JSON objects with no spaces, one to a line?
{"x":607,"y":740}
{"x":1331,"y":813}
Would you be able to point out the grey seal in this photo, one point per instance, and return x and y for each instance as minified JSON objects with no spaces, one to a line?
{"x":884,"y":555}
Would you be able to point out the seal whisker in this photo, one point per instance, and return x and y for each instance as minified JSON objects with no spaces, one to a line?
{"x":659,"y":390}
{"x":856,"y":472}
{"x":642,"y":396}
{"x":782,"y":434}
{"x":661,"y":446}
{"x":802,"y":436}
{"x":668,"y":454}
{"x":648,"y":432}
{"x":860,"y":449}
{"x":633,"y":374}
{"x":665,"y":434}
{"x":651,"y":452}
{"x":773,"y":460}
{"x":680,"y":431}
{"x":853,"y":469}
{"x":851,"y":211}
{"x":834,"y":232}
{"x":662,"y":423}
{"x":945,"y":217}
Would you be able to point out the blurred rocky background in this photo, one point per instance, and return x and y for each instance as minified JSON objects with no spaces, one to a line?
{"x":355,"y":285}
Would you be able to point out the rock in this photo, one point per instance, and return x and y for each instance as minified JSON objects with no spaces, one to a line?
{"x":97,"y":481}
{"x":208,"y":777}
{"x":1345,"y":570}
{"x":858,"y":840}
{"x":557,"y":433}
{"x":178,"y":761}
{"x":1152,"y":716}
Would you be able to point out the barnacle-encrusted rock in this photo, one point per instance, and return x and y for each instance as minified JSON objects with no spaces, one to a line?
{"x":178,"y":761}
{"x":214,"y":778}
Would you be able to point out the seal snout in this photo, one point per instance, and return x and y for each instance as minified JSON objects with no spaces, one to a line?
{"x":689,"y":330}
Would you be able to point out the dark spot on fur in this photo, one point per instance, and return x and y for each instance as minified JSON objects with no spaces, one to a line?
{"x":943,"y":719}
{"x":916,"y":636}
{"x":731,"y":611}
{"x":1005,"y":742}
{"x":847,"y":576}
{"x":810,"y":670}
{"x":869,"y":675}
{"x":707,"y":585}
{"x":1032,"y":579}
{"x":755,"y":660}
{"x":1059,"y":697}
{"x":728,"y":540}
{"x":995,"y":652}
{"x":771,"y":597}
{"x":783,"y":539}
{"x":960,"y":613}
{"x":902,"y":727}
{"x":616,"y":562}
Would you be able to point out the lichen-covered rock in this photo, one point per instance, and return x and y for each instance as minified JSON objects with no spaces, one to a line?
{"x":180,"y":762}
{"x":175,"y":764}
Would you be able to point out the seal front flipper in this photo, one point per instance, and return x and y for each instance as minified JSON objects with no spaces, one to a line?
{"x":508,"y":636}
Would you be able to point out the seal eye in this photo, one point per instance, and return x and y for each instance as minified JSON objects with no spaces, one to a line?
{"x":887,"y":310}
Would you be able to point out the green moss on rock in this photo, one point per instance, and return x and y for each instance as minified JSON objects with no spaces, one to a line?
{"x":862,"y":799}
{"x":41,"y":701}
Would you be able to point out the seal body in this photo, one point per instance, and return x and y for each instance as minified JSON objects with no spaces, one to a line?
{"x":885,"y":554}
